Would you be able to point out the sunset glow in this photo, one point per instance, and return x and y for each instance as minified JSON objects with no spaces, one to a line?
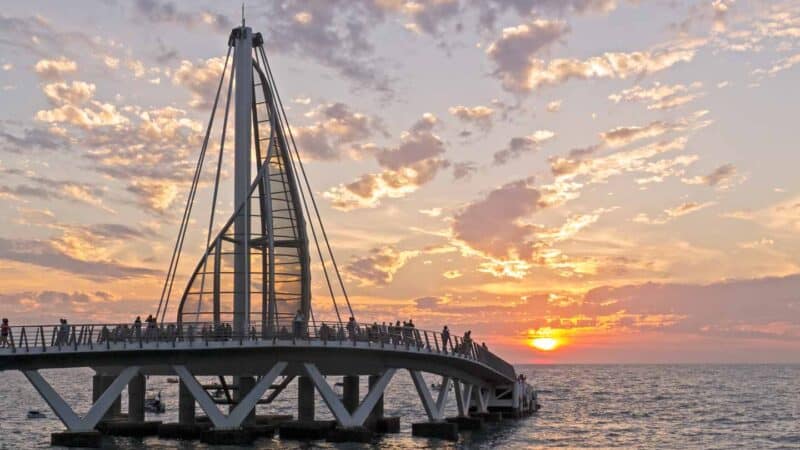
{"x":545,"y":344}
{"x":562,"y":184}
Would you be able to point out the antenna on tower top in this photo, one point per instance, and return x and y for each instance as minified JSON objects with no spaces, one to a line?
{"x":242,"y":14}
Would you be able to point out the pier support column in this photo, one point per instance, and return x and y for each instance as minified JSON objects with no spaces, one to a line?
{"x":245,"y":385}
{"x":136,"y":392}
{"x":185,"y":405}
{"x":99,"y":385}
{"x":350,"y":392}
{"x":377,"y":412}
{"x":305,"y":399}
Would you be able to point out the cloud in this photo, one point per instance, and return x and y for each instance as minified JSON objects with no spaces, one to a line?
{"x":490,"y":10}
{"x":622,"y":136}
{"x":433,"y":212}
{"x":452,"y":274}
{"x":166,"y":12}
{"x":379,"y":266}
{"x":730,"y":309}
{"x":672,"y":213}
{"x":333,"y":34}
{"x":29,"y":34}
{"x":74,"y":106}
{"x":414,"y":162}
{"x":55,"y":69}
{"x":513,"y":53}
{"x":659,"y":96}
{"x":42,"y":188}
{"x":494,"y":226}
{"x":480,"y":116}
{"x":44,"y":139}
{"x":537,"y":73}
{"x":368,"y":190}
{"x":722,"y":177}
{"x":426,"y":17}
{"x":77,"y":92}
{"x":517,"y":146}
{"x":47,"y":254}
{"x":335,"y":132}
{"x":464,"y":169}
{"x":155,"y":195}
{"x":201,"y":79}
{"x":554,"y":106}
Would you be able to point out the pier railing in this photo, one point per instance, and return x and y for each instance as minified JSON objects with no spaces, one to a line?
{"x":65,"y":337}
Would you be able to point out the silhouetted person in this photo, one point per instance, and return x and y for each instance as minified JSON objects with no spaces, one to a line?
{"x":5,"y":330}
{"x":445,"y":338}
{"x":298,"y":324}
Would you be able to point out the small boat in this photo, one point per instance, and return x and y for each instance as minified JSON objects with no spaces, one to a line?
{"x":36,"y":414}
{"x":154,"y":404}
{"x":172,"y":380}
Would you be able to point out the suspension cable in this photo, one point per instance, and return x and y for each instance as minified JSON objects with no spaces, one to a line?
{"x":308,"y":186}
{"x":279,"y":122}
{"x":176,"y":251}
{"x":216,"y":182}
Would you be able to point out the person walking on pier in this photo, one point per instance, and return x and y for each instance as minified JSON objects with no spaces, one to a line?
{"x":63,"y":332}
{"x":352,"y":328}
{"x":5,"y":330}
{"x":298,"y":324}
{"x":137,"y":327}
{"x":445,"y":338}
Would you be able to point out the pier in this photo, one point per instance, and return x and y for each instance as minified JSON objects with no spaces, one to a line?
{"x":247,"y":314}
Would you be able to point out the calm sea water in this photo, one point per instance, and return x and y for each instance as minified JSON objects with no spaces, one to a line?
{"x":593,"y":406}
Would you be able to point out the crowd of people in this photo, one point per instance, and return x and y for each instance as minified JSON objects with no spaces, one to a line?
{"x":404,"y":333}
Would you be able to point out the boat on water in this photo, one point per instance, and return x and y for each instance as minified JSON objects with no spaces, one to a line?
{"x":172,"y":380}
{"x":154,"y":404}
{"x":36,"y":414}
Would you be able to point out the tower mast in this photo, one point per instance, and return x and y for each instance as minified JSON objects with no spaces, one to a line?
{"x":243,"y":41}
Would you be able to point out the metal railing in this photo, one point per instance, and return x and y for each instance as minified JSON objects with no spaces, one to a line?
{"x":46,"y":338}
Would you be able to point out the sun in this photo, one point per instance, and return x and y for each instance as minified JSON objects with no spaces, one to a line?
{"x":545,"y":344}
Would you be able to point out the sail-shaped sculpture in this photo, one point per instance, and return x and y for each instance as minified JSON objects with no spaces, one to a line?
{"x":256,"y":269}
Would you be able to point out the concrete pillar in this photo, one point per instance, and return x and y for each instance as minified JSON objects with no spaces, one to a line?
{"x":136,"y":392}
{"x":99,"y":385}
{"x":305,"y":399}
{"x":185,"y":405}
{"x":377,"y":412}
{"x":245,"y":384}
{"x":350,"y":392}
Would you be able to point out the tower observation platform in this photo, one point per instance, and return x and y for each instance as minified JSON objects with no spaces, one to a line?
{"x":246,"y":314}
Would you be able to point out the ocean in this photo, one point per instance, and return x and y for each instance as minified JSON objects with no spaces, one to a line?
{"x":583,"y":406}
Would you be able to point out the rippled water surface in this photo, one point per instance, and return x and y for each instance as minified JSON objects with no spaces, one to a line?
{"x":680,"y":406}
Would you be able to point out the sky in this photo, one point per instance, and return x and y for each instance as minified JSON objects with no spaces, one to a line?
{"x":616,"y":175}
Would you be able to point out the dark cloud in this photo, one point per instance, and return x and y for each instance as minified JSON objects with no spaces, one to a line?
{"x":464,"y":169}
{"x":517,"y":146}
{"x":336,"y":131}
{"x":33,"y":139}
{"x":48,"y":255}
{"x":513,"y":53}
{"x":379,"y":266}
{"x":334,"y":33}
{"x":492,"y":225}
{"x":37,"y":36}
{"x":167,"y":12}
{"x":490,"y":10}
{"x":719,"y":177}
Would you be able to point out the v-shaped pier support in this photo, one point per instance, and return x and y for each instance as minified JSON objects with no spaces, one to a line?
{"x":242,"y":410}
{"x":343,"y":417}
{"x":65,"y":412}
{"x":435,"y":410}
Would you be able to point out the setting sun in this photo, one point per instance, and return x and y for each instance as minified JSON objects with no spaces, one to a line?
{"x":544,"y":343}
